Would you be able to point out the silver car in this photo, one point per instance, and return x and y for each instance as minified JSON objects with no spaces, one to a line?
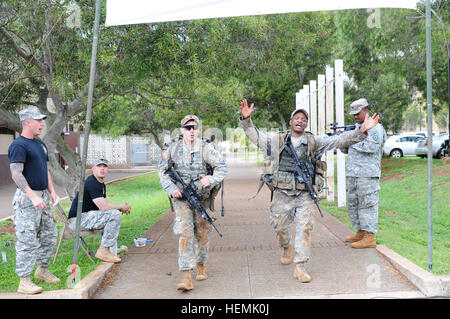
{"x":402,"y":145}
{"x":438,"y":140}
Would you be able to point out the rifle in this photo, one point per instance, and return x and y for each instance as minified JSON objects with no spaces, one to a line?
{"x":301,"y":172}
{"x":192,"y":195}
{"x":334,"y":127}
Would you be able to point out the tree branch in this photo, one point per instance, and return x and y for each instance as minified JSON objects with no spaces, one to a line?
{"x":27,"y":57}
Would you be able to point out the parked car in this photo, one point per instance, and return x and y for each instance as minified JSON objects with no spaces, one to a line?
{"x":437,"y":148}
{"x":402,"y":145}
{"x":423,"y":133}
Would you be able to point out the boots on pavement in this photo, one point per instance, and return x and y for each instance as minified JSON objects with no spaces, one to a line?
{"x":358,"y":236}
{"x":186,"y":282}
{"x":201,"y":272}
{"x":368,"y":241}
{"x":44,"y":274}
{"x":300,"y":272}
{"x":103,"y":253}
{"x":286,"y":256}
{"x":26,"y":286}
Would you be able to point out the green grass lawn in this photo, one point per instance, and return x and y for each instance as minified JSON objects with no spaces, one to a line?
{"x":149,"y":202}
{"x":403,"y":211}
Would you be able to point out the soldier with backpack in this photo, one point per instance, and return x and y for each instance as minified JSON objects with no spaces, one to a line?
{"x":291,"y":200}
{"x":195,"y":160}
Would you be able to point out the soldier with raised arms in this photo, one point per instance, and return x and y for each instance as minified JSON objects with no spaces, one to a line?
{"x":291,"y":200}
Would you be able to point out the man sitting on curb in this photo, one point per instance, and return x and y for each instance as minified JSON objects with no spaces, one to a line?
{"x":98,"y":213}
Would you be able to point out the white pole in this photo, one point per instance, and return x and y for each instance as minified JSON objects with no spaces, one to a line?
{"x":329,"y":101}
{"x":298,"y":97}
{"x":321,"y":104}
{"x":339,"y":75}
{"x":313,"y":105}
{"x":306,"y":103}
{"x":302,"y":96}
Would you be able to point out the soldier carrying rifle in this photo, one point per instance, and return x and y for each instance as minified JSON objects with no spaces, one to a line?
{"x":291,"y":198}
{"x":192,"y":159}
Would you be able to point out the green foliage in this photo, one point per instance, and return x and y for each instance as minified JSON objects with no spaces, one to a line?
{"x":402,"y":214}
{"x":387,"y":63}
{"x":148,"y":202}
{"x":151,"y":75}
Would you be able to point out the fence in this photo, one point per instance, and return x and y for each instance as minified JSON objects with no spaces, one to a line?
{"x":324,"y":101}
{"x":123,"y":151}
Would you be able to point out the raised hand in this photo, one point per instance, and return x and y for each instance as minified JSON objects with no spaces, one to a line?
{"x":245,"y":110}
{"x":370,"y":122}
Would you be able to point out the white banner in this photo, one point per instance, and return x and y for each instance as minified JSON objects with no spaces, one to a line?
{"x":121,"y":12}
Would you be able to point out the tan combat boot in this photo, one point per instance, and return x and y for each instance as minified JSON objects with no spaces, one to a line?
{"x":103,"y":253}
{"x":201,"y":272}
{"x":368,"y":241}
{"x":358,"y":236}
{"x":286,"y":256}
{"x":300,"y":272}
{"x":186,"y":282}
{"x":26,"y":286}
{"x":44,"y":274}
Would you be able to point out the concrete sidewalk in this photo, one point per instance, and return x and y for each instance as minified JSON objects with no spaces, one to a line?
{"x":245,"y":263}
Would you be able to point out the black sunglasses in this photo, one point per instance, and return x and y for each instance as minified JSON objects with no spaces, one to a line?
{"x":189,"y":127}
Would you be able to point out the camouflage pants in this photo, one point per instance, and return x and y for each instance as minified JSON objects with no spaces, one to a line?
{"x":108,"y":221}
{"x":36,"y":233}
{"x":283,"y":211}
{"x":363,"y":197}
{"x":193,"y":230}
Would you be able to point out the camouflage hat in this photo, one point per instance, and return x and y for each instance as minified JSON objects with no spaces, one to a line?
{"x":31,"y":113}
{"x":357,"y":106}
{"x":299,"y":110}
{"x":100,"y":161}
{"x":188,"y":118}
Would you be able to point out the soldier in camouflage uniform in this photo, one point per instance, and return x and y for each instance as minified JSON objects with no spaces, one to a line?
{"x":33,"y":220}
{"x":98,"y":213}
{"x":191,"y":156}
{"x":363,"y":171}
{"x":290,"y":199}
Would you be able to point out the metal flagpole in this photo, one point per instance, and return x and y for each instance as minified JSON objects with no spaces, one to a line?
{"x":430,"y":137}
{"x":76,"y":244}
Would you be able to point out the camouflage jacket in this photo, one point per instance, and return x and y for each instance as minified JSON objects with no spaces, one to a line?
{"x":272,"y":144}
{"x":364,"y":158}
{"x":190,"y":163}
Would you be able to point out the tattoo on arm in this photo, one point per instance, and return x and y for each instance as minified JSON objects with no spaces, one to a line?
{"x":17,"y":176}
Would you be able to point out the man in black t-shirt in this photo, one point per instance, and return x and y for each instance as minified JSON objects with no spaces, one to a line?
{"x":98,"y":213}
{"x":33,"y":220}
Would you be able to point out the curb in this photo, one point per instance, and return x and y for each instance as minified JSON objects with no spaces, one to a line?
{"x":85,"y":289}
{"x":430,"y":285}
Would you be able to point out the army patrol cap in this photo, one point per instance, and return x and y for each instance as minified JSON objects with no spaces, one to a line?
{"x":31,"y":113}
{"x":300,"y":110}
{"x":187,"y":118}
{"x":357,"y":106}
{"x":100,"y":161}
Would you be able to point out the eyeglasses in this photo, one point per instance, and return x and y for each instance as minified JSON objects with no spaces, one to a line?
{"x":189,"y":127}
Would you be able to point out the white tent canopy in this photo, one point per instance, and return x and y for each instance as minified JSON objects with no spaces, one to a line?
{"x":120,"y":12}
